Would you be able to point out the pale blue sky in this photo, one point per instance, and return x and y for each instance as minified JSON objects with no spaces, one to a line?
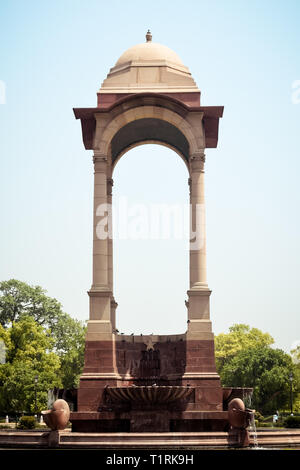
{"x":243,"y":55}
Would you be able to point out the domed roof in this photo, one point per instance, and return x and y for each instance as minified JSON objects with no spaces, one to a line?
{"x":149,"y":67}
{"x":149,"y":51}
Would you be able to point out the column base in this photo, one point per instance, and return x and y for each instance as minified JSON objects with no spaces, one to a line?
{"x":199,"y":324}
{"x":101,"y":324}
{"x":99,"y":330}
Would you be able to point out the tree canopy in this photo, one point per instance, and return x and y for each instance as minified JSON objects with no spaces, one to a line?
{"x":240,"y":337}
{"x":266,"y":370}
{"x":37,"y":339}
{"x":18,"y":299}
{"x":70,"y":344}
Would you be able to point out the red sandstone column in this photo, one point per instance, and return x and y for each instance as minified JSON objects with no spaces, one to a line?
{"x":100,"y":241}
{"x":198,"y":242}
{"x":200,"y":370}
{"x":198,"y":304}
{"x":100,"y":358}
{"x":100,"y":322}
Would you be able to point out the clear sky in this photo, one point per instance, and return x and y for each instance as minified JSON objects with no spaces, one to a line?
{"x":242,"y":54}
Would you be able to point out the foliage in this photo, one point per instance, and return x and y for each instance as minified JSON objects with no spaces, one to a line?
{"x":266,"y":370}
{"x":262,"y":424}
{"x":4,"y":344}
{"x":296,"y":400}
{"x":26,"y":422}
{"x":296,"y":387}
{"x":28,"y":356}
{"x":70,"y":344}
{"x":240,"y":337}
{"x":292,"y":422}
{"x":18,"y":300}
{"x":258,"y":416}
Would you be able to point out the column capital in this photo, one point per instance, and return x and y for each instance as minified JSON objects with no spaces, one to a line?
{"x":100,"y":161}
{"x":197,"y":160}
{"x":99,"y":156}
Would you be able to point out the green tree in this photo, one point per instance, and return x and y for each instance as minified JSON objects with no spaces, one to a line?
{"x":240,"y":337}
{"x":266,"y":370}
{"x":70,"y":345}
{"x":19,"y":300}
{"x":4,"y":344}
{"x":28,"y":355}
{"x":296,"y":382}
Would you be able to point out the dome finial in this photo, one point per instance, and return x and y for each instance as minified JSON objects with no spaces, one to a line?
{"x":148,"y":36}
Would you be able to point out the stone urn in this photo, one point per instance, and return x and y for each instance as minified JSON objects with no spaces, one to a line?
{"x":239,"y":416}
{"x":58,"y":417}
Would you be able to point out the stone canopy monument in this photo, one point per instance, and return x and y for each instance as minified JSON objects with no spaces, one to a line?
{"x":155,"y":382}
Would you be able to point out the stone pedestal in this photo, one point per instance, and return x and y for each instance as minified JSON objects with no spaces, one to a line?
{"x":164,"y":361}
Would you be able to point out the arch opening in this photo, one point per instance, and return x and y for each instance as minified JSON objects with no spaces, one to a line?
{"x":148,"y":129}
{"x":151,"y":267}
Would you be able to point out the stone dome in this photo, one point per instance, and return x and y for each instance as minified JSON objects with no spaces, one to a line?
{"x":149,"y":67}
{"x":149,"y":51}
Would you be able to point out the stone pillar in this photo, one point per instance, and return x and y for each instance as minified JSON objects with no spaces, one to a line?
{"x":198,"y":305}
{"x":100,"y":322}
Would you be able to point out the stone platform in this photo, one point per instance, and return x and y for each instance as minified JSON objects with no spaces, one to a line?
{"x":148,"y":420}
{"x":198,"y":440}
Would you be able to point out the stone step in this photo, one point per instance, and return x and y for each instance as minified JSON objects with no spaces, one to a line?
{"x":143,"y":440}
{"x":67,"y":439}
